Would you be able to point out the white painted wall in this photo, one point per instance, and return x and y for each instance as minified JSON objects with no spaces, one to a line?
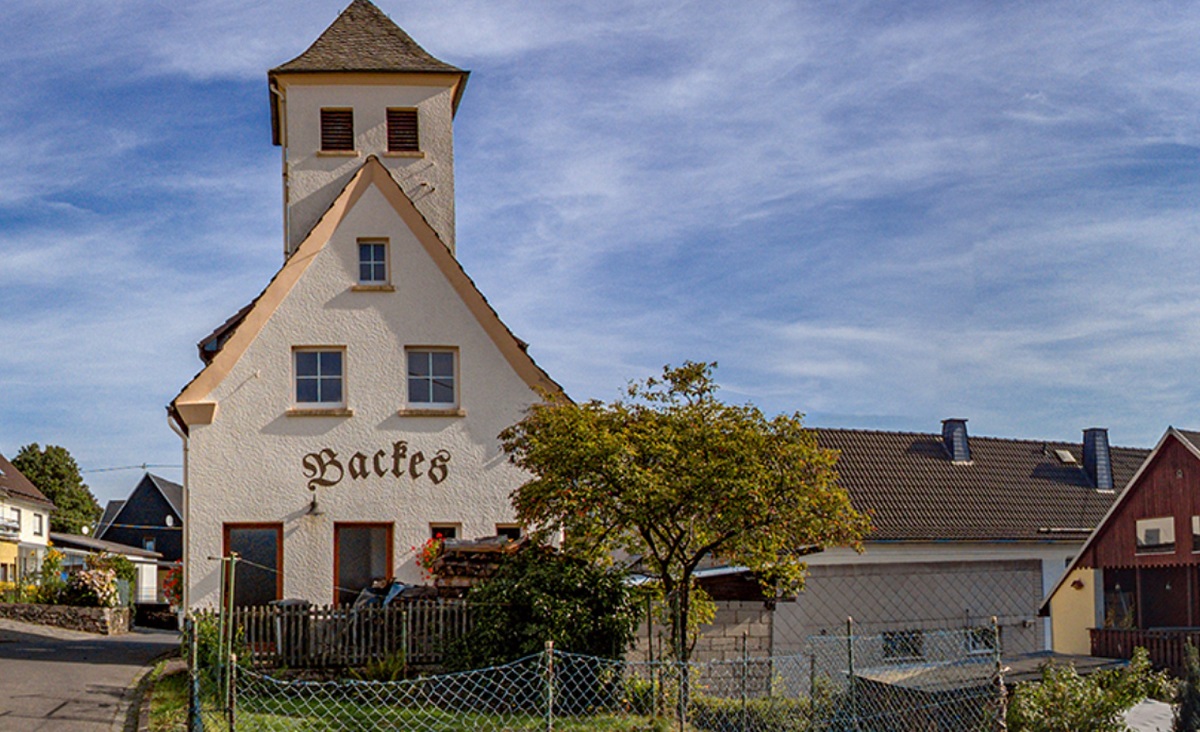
{"x":28,"y":522}
{"x":246,"y":465}
{"x":315,"y":179}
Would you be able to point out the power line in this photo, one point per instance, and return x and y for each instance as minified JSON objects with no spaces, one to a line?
{"x":143,"y":466}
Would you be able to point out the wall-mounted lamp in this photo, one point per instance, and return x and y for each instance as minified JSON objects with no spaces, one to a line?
{"x":313,"y":508}
{"x":1077,"y":584}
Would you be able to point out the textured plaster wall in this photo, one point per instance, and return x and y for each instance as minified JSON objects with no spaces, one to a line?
{"x":916,"y":596}
{"x":316,"y":179}
{"x":246,"y":466}
{"x":1073,"y":610}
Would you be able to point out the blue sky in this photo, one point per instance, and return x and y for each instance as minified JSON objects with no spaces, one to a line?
{"x":878,"y":214}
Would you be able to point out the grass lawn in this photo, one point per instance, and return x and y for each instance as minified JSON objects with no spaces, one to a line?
{"x":168,"y":700}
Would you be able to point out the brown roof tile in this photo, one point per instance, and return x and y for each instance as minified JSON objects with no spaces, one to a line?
{"x":1012,"y":490}
{"x":363,"y":38}
{"x":16,"y":484}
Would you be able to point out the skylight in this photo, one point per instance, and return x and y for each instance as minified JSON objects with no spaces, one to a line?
{"x":1065,"y":456}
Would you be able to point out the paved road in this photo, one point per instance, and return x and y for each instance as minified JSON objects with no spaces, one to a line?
{"x":52,"y":679}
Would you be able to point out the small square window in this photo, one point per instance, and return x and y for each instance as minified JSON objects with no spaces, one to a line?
{"x":148,"y":543}
{"x":431,"y":378}
{"x":319,"y":377}
{"x":443,"y":531}
{"x":337,"y":130}
{"x":903,"y":645}
{"x":512,"y":532}
{"x":402,"y":131}
{"x":980,"y":640}
{"x":372,"y":262}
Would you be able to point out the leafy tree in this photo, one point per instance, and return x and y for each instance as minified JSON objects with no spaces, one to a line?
{"x":56,"y":474}
{"x":673,"y":476}
{"x":538,"y":595}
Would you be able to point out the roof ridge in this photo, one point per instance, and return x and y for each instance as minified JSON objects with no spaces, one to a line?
{"x":938,"y":436}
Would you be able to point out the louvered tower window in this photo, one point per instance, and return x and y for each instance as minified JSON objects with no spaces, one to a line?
{"x":402,"y":130}
{"x":337,"y":129}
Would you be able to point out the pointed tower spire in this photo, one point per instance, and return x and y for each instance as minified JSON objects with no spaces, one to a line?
{"x":363,"y":88}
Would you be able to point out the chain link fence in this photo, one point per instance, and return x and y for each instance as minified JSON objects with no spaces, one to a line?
{"x":852,"y":683}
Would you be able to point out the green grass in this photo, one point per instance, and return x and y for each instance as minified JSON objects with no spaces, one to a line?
{"x":168,"y":700}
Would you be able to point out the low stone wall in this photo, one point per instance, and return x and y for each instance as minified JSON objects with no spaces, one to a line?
{"x":103,"y":620}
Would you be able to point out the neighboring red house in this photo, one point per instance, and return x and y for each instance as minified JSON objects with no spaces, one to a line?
{"x":1136,"y":580}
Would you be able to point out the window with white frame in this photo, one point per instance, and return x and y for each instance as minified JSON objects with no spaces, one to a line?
{"x":444,"y":531}
{"x":372,"y":262}
{"x":16,"y":515}
{"x":39,"y":528}
{"x":1156,"y":535}
{"x":320,"y":377}
{"x":431,"y":378}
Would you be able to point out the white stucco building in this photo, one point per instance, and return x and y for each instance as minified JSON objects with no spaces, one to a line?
{"x":351,"y":410}
{"x":24,"y":524}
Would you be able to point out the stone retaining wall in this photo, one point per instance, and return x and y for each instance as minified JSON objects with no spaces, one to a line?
{"x":103,"y":620}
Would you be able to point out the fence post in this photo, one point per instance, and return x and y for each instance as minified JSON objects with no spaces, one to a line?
{"x":232,"y":692}
{"x":745,"y":668}
{"x":1001,"y":692}
{"x":549,"y":685}
{"x":850,"y":671}
{"x":189,"y":629}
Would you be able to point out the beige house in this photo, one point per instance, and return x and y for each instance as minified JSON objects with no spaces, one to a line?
{"x":351,"y":410}
{"x":24,"y":524}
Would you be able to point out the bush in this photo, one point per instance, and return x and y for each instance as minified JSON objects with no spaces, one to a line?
{"x":539,"y":595}
{"x":1187,"y":699}
{"x":1064,"y":701}
{"x":91,"y":588}
{"x":207,"y":628}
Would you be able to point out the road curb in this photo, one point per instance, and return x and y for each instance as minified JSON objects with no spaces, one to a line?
{"x":140,"y":694}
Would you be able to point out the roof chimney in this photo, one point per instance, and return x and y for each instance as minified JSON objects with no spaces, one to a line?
{"x":1097,"y":461}
{"x":954,"y":438}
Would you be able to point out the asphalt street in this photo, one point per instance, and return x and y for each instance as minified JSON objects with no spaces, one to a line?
{"x":52,"y":679}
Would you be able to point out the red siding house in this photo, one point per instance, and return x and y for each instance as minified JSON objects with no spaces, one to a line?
{"x":1136,"y":580}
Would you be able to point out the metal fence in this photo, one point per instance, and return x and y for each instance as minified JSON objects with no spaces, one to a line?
{"x":859,"y":683}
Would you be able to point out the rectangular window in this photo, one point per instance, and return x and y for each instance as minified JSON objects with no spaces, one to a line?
{"x":372,"y":262}
{"x":1156,"y":535}
{"x":319,"y":377}
{"x":16,"y":514}
{"x":1196,"y":533}
{"x":148,"y":544}
{"x":431,"y":378}
{"x":38,"y":527}
{"x":402,"y":133}
{"x":258,"y":579}
{"x":512,"y":532}
{"x":980,"y":640}
{"x":337,"y":129}
{"x":903,"y":645}
{"x":362,"y":553}
{"x":443,"y":531}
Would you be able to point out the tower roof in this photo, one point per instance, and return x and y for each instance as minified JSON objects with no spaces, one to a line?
{"x":363,"y":38}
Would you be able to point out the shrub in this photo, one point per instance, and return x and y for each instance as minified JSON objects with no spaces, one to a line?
{"x":1064,"y":701}
{"x":538,"y":595}
{"x":91,"y":588}
{"x":1187,"y":699}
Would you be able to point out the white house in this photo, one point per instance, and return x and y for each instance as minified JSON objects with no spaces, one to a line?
{"x":24,"y":524}
{"x":352,"y":409}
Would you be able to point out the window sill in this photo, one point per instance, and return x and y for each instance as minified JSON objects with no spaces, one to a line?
{"x":451,"y":412}
{"x":404,"y":154}
{"x":372,"y":288}
{"x":338,"y":153}
{"x":319,"y":412}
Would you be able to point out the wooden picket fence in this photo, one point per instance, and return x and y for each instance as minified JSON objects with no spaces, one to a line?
{"x":337,"y":636}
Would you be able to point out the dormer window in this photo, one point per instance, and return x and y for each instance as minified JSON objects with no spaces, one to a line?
{"x":402,"y":133}
{"x":337,"y":130}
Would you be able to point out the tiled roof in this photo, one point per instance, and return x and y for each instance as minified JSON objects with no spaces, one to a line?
{"x":363,"y":38}
{"x":15,"y":484}
{"x":1012,"y":490}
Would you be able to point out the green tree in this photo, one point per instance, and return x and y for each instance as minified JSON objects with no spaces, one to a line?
{"x":539,"y":595}
{"x":673,"y":476}
{"x":56,"y":474}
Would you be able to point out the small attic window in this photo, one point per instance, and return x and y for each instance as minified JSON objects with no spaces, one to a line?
{"x":337,"y":130}
{"x":402,"y":132}
{"x":1065,"y":457}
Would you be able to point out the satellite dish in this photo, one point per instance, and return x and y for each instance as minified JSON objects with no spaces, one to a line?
{"x":86,"y":530}
{"x":170,"y":520}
